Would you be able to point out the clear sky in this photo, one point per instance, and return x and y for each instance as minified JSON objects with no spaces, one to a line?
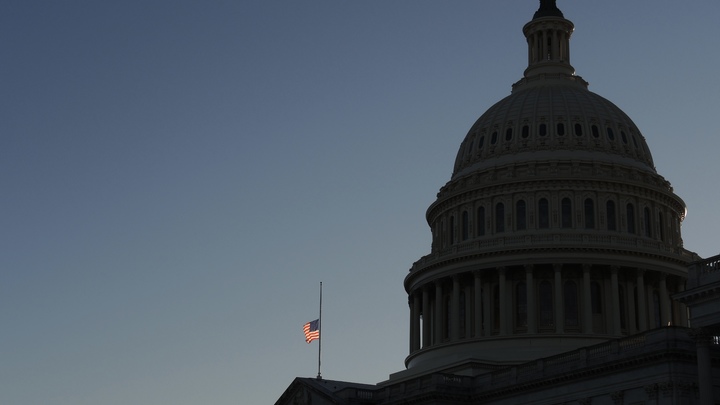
{"x":177,"y":177}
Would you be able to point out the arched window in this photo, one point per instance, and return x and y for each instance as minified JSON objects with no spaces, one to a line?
{"x":499,"y":218}
{"x":521,"y":215}
{"x":465,"y":225}
{"x":542,"y":130}
{"x":452,"y":230}
{"x":481,"y":142}
{"x":630,"y":218}
{"x":493,"y":138}
{"x":611,"y":216}
{"x":566,"y":211}
{"x":647,"y":220}
{"x":443,"y":234}
{"x":481,"y":221}
{"x":589,"y":213}
{"x":525,"y":131}
{"x":508,"y":134}
{"x":520,"y":305}
{"x":578,"y":130}
{"x":543,"y":213}
{"x":561,"y":129}
{"x":570,"y":301}
{"x":547,"y":313}
{"x":610,"y":134}
{"x":595,"y":131}
{"x":660,"y":227}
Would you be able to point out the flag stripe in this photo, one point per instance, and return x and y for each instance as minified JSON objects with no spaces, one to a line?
{"x":311,"y":331}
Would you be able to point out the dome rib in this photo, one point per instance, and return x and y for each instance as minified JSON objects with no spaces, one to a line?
{"x":550,"y":104}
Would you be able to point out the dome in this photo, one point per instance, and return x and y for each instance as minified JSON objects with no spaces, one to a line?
{"x":550,"y":118}
{"x":554,"y":232}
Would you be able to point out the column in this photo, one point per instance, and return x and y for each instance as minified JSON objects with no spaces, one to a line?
{"x":531,"y":303}
{"x":455,"y":310}
{"x":414,"y":323}
{"x":503,"y":303}
{"x":630,"y":300}
{"x":531,"y":49}
{"x":683,"y":308}
{"x":587,"y":302}
{"x":478,"y":307}
{"x":438,"y":312}
{"x":554,"y":44}
{"x":650,"y":306}
{"x":642,"y":310}
{"x":615,"y":301}
{"x":665,"y":317}
{"x":468,"y":319}
{"x":487,"y":325}
{"x":566,"y":43}
{"x":559,"y":303}
{"x":426,"y":316}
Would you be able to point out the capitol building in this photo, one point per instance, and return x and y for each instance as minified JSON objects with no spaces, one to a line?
{"x":557,"y":272}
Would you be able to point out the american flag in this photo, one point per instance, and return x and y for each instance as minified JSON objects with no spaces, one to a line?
{"x":311,"y":330}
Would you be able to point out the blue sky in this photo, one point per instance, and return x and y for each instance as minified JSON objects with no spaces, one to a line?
{"x":178,"y":177}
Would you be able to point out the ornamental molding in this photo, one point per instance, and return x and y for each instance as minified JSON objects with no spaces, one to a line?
{"x":452,"y":257}
{"x":558,"y":170}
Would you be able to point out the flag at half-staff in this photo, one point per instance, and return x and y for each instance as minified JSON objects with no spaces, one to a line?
{"x":312,"y":330}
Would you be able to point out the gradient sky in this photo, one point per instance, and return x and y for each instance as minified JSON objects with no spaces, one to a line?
{"x":178,"y":176}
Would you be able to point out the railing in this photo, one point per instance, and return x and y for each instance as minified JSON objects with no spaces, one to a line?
{"x":704,"y":272}
{"x":650,"y":342}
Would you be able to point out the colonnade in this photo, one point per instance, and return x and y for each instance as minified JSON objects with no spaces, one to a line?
{"x":548,"y":44}
{"x":542,"y":299}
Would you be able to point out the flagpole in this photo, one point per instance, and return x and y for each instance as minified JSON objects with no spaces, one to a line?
{"x":319,"y":376}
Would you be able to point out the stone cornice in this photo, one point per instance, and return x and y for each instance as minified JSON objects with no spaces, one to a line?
{"x":429,"y":265}
{"x":549,"y":176}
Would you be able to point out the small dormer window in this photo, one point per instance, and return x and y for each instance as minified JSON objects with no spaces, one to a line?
{"x":561,"y":129}
{"x":623,"y":137}
{"x":543,"y":130}
{"x":508,"y":134}
{"x":578,"y":130}
{"x":610,"y":134}
{"x":595,"y":131}
{"x":493,"y":138}
{"x":525,"y":131}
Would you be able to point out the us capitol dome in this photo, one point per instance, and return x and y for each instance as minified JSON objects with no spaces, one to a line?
{"x":557,"y":272}
{"x":555,"y":230}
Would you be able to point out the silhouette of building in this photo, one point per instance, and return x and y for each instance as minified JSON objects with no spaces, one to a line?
{"x":556,"y":254}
